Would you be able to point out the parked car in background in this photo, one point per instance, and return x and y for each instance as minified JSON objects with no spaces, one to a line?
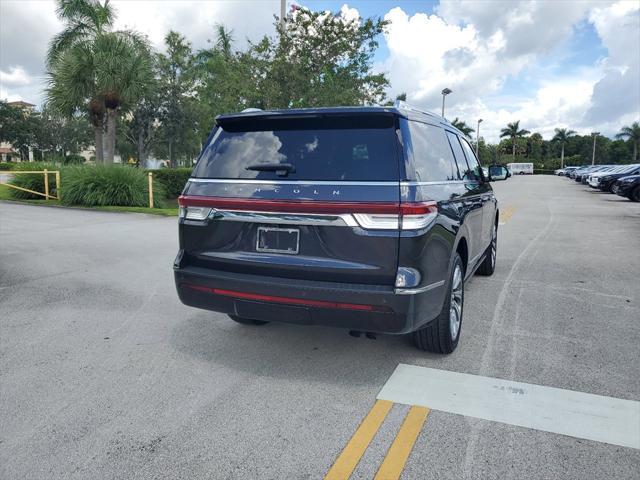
{"x":628,"y":187}
{"x":584,"y":172}
{"x":318,"y":216}
{"x":568,"y":170}
{"x":606,"y":181}
{"x":520,"y":168}
{"x":593,"y":177}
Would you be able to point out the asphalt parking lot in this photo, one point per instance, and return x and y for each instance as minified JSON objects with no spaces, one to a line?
{"x":104,"y":374}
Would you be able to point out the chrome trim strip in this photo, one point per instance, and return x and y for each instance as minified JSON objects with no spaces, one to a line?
{"x":413,"y":291}
{"x":283,"y":218}
{"x":322,"y":182}
{"x":291,"y":182}
{"x":424,"y":184}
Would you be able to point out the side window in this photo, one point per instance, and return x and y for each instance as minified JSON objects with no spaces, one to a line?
{"x":457,"y":153}
{"x":432,"y":157}
{"x":474,"y":172}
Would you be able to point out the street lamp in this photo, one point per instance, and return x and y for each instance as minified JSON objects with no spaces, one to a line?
{"x":593,"y":157}
{"x":478,"y":137}
{"x":445,"y":92}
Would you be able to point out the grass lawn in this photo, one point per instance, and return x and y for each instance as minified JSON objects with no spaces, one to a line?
{"x":170,"y":210}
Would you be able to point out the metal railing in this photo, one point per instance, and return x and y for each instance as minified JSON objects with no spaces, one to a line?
{"x":46,"y":174}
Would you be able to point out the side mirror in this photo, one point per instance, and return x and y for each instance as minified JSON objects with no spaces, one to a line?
{"x":498,"y":172}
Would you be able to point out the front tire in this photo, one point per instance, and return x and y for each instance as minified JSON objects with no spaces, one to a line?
{"x":247,"y":321}
{"x":488,"y":266}
{"x":442,"y":334}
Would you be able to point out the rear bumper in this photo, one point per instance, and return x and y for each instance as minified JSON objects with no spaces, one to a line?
{"x":368,"y":308}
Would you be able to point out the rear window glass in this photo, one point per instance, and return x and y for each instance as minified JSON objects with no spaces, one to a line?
{"x":341,"y":149}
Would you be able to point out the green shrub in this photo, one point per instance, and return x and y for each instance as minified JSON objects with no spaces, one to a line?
{"x":32,"y":181}
{"x":73,"y":160}
{"x":6,"y":166}
{"x":172,"y":179}
{"x":98,"y":185}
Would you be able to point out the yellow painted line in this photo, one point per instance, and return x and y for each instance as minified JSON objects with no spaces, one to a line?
{"x":398,"y":453}
{"x":352,"y":453}
{"x":506,"y":214}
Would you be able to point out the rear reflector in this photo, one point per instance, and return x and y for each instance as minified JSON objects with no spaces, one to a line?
{"x":369,"y":215}
{"x":289,"y":301}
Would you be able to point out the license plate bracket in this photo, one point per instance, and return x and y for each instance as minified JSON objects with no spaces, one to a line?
{"x":278,"y":240}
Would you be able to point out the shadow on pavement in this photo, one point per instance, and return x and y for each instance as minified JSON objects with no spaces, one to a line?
{"x":294,"y":352}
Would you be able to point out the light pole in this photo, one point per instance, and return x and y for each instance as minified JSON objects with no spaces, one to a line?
{"x":283,"y":4}
{"x":478,"y":137}
{"x":593,"y":157}
{"x":445,"y":92}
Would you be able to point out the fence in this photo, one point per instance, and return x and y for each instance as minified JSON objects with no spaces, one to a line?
{"x":48,"y":196}
{"x":46,"y":174}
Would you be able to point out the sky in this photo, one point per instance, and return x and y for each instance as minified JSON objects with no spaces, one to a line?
{"x":549,"y":64}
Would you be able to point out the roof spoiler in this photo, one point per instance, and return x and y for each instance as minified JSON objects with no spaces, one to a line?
{"x":402,"y":105}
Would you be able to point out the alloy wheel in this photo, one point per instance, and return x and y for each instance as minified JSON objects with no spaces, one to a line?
{"x":455,"y":309}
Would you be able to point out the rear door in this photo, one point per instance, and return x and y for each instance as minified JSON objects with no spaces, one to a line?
{"x":306,"y":197}
{"x":486,"y":192}
{"x":472,"y":202}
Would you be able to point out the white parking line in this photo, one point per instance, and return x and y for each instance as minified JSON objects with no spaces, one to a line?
{"x":582,"y":415}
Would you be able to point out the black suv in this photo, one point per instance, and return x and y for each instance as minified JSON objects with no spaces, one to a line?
{"x":365,"y":218}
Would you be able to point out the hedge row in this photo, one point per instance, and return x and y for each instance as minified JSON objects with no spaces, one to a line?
{"x":172,"y":179}
{"x":99,"y":185}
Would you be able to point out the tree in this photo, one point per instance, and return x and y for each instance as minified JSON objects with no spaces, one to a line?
{"x":102,"y":76}
{"x":140,"y":128}
{"x":123,"y":75}
{"x":534,"y":146}
{"x":59,"y":135}
{"x":513,"y":132}
{"x":462,"y":126}
{"x":84,"y":21}
{"x":632,"y":134}
{"x":17,"y":127}
{"x":223,"y":81}
{"x":562,"y":135}
{"x":177,"y":89}
{"x":317,"y":59}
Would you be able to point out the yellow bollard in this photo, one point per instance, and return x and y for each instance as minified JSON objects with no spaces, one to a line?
{"x":46,"y":184}
{"x":58,"y":185}
{"x":150,"y":190}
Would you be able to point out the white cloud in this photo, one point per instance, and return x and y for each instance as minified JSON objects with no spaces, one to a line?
{"x":474,"y":48}
{"x":618,"y":91}
{"x":15,"y":77}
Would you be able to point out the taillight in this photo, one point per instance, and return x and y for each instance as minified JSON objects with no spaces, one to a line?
{"x":417,"y":215}
{"x":367,"y":215}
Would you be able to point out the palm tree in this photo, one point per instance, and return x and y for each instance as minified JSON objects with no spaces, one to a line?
{"x":123,"y":74}
{"x":562,"y":135}
{"x":513,"y":131}
{"x":95,"y":69}
{"x":72,"y":87}
{"x":633,"y":134}
{"x":84,"y":21}
{"x":462,"y":126}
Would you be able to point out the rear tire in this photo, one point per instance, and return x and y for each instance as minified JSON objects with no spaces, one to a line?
{"x":488,"y":266}
{"x":442,"y":334}
{"x":635,"y":194}
{"x":247,"y":321}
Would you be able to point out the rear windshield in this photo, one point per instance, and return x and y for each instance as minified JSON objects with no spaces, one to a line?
{"x":331,"y":148}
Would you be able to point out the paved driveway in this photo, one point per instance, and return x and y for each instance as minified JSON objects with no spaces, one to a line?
{"x":104,"y":374}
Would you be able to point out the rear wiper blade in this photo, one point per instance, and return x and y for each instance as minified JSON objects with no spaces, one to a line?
{"x":281,"y":169}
